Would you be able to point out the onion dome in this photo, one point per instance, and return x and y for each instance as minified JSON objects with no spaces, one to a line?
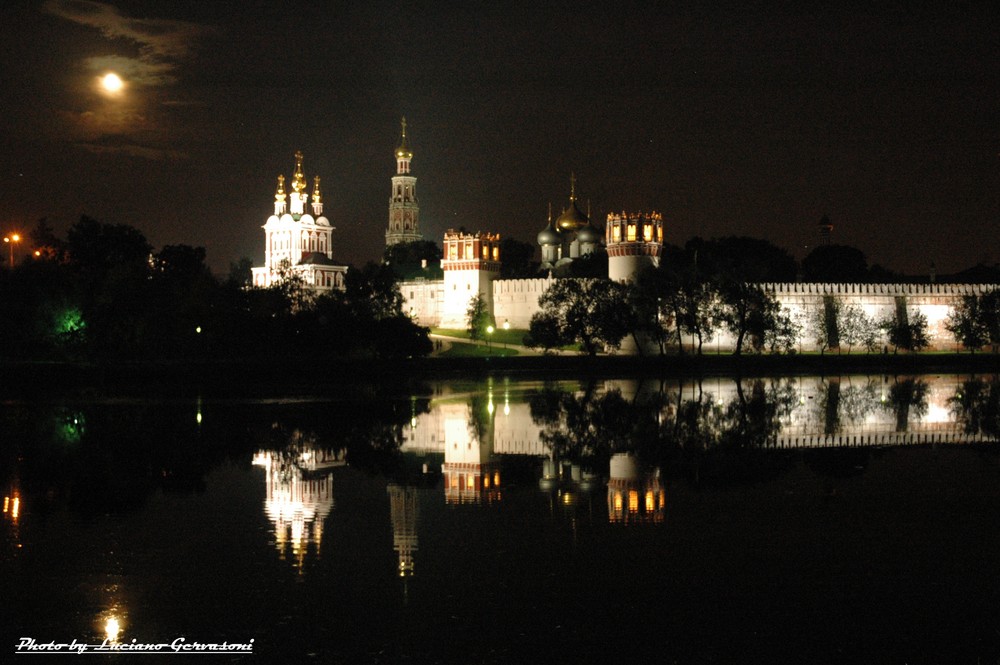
{"x":588,"y":234}
{"x":572,"y":218}
{"x":548,"y":235}
{"x":322,"y":221}
{"x":306,"y":219}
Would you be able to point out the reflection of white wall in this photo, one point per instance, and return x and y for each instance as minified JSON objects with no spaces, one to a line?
{"x":866,"y":415}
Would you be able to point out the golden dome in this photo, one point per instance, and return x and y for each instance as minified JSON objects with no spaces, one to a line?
{"x":572,"y":218}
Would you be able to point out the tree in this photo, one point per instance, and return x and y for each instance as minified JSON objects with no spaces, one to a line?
{"x":697,"y":307}
{"x":591,"y":312}
{"x":653,"y":303}
{"x":858,"y":329}
{"x":372,"y":292}
{"x":905,"y":330}
{"x":826,"y":324}
{"x":747,"y":310}
{"x":478,"y":317}
{"x":835,"y":263}
{"x":407,"y":259}
{"x":517,"y":259}
{"x":781,"y":335}
{"x":975,"y":321}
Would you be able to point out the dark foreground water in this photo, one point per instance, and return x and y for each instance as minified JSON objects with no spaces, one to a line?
{"x":846,"y":520}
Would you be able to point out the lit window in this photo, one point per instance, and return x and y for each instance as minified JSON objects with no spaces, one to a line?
{"x":659,"y":233}
{"x":486,"y":252}
{"x":630,"y":233}
{"x":633,"y":501}
{"x":647,"y":232}
{"x":616,"y":233}
{"x":496,"y":253}
{"x":649,"y":502}
{"x":618,"y":502}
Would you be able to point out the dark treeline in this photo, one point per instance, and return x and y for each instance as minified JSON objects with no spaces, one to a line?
{"x":103,"y":292}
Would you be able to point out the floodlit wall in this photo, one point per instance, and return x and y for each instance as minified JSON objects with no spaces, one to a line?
{"x":516,"y":300}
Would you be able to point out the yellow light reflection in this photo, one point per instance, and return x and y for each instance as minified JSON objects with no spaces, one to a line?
{"x":111,"y":629}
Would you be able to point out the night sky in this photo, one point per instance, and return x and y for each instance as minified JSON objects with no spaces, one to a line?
{"x":739,"y":119}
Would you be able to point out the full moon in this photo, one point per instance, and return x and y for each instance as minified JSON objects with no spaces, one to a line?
{"x":112,"y":82}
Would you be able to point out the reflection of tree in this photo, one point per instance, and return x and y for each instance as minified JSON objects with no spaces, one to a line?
{"x":858,"y":402}
{"x":906,"y":396}
{"x":976,"y":404}
{"x":665,"y":429}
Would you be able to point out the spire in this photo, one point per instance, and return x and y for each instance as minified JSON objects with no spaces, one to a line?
{"x":317,"y":203}
{"x":298,"y":178}
{"x":279,"y":197}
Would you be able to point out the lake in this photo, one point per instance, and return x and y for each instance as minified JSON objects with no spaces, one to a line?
{"x":842,"y":519}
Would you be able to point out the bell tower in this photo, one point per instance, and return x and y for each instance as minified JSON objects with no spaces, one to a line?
{"x":403,"y":209}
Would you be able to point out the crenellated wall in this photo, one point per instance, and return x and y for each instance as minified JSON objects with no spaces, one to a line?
{"x":516,"y":300}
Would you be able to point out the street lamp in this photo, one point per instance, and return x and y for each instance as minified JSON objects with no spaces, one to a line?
{"x":506,"y":328}
{"x":10,"y":240}
{"x":489,"y":334}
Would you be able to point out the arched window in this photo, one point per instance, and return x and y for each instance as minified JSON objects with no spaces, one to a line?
{"x":630,"y":233}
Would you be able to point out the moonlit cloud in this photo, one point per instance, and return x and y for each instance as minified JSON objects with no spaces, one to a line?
{"x":130,"y":124}
{"x":133,"y":150}
{"x":158,"y":39}
{"x":134,"y":70}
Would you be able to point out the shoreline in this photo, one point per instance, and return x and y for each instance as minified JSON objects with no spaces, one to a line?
{"x":300,"y":376}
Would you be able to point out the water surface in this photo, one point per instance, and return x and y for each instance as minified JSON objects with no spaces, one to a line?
{"x":845,"y":519}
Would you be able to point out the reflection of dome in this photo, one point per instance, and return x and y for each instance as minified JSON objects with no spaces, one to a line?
{"x":588,"y":234}
{"x":571,"y":218}
{"x":548,"y":236}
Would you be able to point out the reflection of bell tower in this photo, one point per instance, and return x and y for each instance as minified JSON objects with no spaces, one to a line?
{"x":405,"y":512}
{"x":634,"y":496}
{"x":299,"y":484}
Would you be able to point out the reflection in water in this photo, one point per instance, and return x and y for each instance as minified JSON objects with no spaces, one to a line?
{"x":634,"y":496}
{"x":405,"y":513}
{"x":12,"y":507}
{"x":299,"y":482}
{"x":112,"y":628}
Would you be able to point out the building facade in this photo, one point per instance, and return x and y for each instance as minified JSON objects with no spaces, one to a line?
{"x":298,"y":242}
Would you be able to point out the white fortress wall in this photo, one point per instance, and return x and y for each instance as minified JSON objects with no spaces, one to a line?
{"x":423,"y":300}
{"x":878,"y":301}
{"x":516,"y":300}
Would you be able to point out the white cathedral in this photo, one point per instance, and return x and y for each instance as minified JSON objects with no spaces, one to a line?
{"x":298,"y":242}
